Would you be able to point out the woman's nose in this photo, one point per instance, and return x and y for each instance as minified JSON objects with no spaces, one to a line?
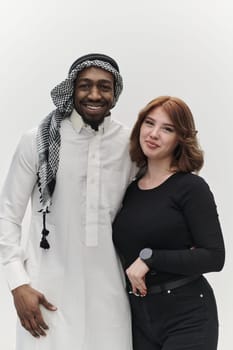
{"x":154,"y":132}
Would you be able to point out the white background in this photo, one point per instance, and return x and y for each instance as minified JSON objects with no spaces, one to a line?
{"x":182,"y":48}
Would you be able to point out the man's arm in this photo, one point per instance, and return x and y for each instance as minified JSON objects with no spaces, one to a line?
{"x":14,"y":198}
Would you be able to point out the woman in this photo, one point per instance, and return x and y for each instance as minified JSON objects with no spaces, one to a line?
{"x":167,"y":234}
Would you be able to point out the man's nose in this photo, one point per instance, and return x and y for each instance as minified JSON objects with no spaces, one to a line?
{"x":94,"y":93}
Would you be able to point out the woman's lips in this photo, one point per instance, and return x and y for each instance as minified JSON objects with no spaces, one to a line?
{"x":151,"y":144}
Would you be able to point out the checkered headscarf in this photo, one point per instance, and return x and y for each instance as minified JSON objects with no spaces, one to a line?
{"x":48,"y":136}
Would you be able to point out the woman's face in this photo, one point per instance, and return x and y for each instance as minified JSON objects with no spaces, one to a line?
{"x":158,"y":137}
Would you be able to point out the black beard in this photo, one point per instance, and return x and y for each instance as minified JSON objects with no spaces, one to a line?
{"x":94,"y":124}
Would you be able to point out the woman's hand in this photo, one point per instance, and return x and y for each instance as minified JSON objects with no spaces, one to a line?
{"x":136,"y":273}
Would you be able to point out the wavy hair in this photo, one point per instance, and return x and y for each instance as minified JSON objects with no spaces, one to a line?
{"x":188,"y":156}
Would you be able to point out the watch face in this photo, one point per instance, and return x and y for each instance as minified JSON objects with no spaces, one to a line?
{"x":146,"y":253}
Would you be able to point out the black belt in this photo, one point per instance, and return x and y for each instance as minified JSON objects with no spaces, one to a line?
{"x":169,"y":285}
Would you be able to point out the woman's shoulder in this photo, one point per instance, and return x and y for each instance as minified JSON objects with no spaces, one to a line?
{"x":131,"y":189}
{"x":191,"y":186}
{"x":190,"y":180}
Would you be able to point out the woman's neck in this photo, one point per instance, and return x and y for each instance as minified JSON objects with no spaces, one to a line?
{"x":156,"y":174}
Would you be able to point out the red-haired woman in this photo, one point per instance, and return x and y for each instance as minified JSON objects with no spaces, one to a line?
{"x":167,"y":234}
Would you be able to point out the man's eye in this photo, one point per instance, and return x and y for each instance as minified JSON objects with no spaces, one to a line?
{"x":106,"y":87}
{"x":84,"y":86}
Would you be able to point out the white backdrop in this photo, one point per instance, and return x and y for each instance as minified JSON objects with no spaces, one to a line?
{"x":179,"y":47}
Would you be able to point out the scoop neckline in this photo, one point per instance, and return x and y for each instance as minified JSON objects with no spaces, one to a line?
{"x":159,"y":186}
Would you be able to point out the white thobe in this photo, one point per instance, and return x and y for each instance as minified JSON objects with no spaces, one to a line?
{"x":80,"y":273}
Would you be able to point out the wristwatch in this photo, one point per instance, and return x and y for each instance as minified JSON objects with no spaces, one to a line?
{"x":146,"y":255}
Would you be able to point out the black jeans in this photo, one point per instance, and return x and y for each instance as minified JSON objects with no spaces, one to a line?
{"x":184,"y":318}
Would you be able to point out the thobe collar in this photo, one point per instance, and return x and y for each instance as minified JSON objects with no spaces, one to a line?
{"x":78,"y":123}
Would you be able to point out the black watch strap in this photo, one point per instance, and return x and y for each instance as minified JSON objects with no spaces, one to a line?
{"x":146,"y":255}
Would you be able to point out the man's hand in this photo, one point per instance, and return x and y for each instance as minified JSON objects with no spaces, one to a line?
{"x":27,"y":301}
{"x":136,"y":274}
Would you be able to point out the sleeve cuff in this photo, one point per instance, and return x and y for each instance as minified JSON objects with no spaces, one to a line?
{"x":15,"y":274}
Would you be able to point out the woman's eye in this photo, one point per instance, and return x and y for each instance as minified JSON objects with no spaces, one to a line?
{"x":168,"y":129}
{"x":148,"y":122}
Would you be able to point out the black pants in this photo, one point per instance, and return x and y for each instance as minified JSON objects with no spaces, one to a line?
{"x":184,"y":318}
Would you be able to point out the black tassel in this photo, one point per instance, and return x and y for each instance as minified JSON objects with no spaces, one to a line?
{"x":44,"y":243}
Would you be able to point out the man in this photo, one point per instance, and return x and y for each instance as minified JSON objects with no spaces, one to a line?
{"x":68,"y":289}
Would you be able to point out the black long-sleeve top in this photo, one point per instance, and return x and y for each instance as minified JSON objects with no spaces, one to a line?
{"x":171,"y":219}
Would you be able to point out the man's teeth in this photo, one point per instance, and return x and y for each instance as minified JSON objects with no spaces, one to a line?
{"x":93,"y":107}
